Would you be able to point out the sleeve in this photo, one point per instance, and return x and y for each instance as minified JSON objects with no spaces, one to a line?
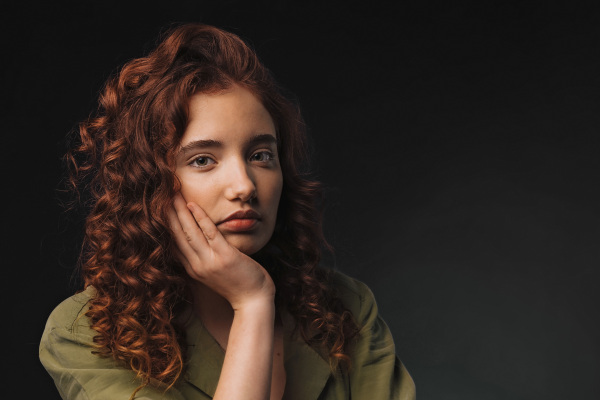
{"x":377,"y":372}
{"x":66,"y":353}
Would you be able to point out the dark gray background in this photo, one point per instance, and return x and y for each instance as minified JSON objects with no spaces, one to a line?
{"x":459,"y":145}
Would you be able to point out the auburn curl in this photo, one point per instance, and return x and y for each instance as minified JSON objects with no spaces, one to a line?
{"x":124,"y":158}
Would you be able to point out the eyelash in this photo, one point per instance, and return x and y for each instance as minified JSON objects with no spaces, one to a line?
{"x":270,"y":157}
{"x":201,"y":166}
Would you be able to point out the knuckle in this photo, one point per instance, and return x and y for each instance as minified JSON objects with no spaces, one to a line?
{"x":210,"y":235}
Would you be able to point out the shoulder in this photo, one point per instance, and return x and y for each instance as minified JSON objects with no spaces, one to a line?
{"x":356,"y":296}
{"x":69,"y":315}
{"x":68,"y":352}
{"x":376,"y":371}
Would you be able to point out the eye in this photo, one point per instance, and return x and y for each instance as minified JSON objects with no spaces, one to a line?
{"x":262,"y":156}
{"x":202,"y":162}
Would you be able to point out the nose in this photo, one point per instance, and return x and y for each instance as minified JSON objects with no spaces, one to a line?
{"x":239,"y":183}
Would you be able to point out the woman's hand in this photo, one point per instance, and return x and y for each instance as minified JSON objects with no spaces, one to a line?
{"x":210,"y":259}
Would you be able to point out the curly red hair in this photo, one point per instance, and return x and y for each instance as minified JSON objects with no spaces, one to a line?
{"x":124,"y":158}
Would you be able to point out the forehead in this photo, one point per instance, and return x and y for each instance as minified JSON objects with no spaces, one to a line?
{"x":232,"y":112}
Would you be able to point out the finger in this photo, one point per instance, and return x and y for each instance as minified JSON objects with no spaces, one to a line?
{"x":181,"y":238}
{"x":191,"y":231}
{"x":187,"y":233}
{"x":214,"y":237}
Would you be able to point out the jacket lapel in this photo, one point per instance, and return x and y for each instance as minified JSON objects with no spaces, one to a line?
{"x":205,"y":358}
{"x":307,"y":371}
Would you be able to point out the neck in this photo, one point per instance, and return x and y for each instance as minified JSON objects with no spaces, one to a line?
{"x":210,"y":307}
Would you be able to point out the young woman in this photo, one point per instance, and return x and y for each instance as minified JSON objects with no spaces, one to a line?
{"x":201,"y":250}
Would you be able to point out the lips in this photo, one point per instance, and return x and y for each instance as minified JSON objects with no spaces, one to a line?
{"x":240,"y":215}
{"x":240,"y":221}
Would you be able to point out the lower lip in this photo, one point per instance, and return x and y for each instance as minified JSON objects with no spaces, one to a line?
{"x":239,"y":225}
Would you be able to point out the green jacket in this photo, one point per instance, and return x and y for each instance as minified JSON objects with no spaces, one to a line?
{"x":376,"y":373}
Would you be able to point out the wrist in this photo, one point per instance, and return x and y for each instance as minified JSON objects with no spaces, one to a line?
{"x":262,"y":297}
{"x":257,"y":305}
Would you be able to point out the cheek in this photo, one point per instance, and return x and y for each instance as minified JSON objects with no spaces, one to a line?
{"x":199,"y":191}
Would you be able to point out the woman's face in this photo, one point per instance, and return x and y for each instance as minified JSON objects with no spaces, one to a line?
{"x":229,"y":164}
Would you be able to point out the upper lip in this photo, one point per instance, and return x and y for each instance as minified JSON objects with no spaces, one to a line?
{"x":248,"y":214}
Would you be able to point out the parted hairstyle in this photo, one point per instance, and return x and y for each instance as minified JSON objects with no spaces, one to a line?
{"x":124,"y":159}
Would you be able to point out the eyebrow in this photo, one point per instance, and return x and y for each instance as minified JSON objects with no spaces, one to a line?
{"x":263,"y":138}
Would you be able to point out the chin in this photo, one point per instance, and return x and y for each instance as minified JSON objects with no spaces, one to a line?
{"x":247,"y":245}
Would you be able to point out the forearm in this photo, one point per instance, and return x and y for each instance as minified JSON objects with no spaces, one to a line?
{"x":247,"y":367}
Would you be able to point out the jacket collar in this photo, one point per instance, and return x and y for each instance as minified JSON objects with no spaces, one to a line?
{"x":307,"y":371}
